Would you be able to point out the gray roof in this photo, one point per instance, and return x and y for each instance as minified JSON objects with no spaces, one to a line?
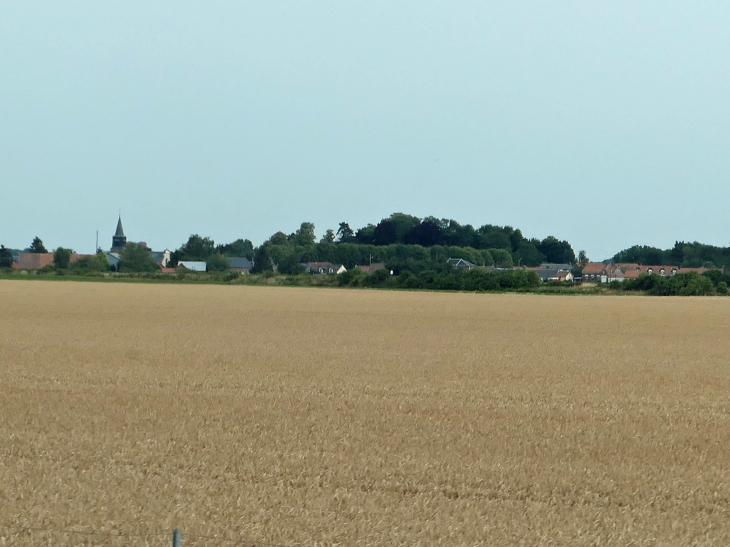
{"x":120,"y":230}
{"x":556,"y":266}
{"x":460,"y":263}
{"x":113,"y":258}
{"x":547,"y":273}
{"x":239,"y":262}
{"x":192,"y":265}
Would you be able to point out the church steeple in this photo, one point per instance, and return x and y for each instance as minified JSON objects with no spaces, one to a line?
{"x":119,"y":240}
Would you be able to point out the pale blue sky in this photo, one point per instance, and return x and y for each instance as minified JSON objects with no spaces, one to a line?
{"x":604,"y":123}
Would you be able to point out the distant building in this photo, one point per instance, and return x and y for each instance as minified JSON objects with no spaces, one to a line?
{"x":240,"y":264}
{"x":323,"y":268}
{"x":193,"y":266}
{"x":372,"y":268}
{"x":461,"y":264}
{"x":119,"y":240}
{"x":34,"y":261}
{"x":553,"y":274}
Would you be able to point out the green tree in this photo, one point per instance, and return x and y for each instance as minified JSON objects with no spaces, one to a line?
{"x":385,"y":233}
{"x":37,"y":246}
{"x":6,"y":257}
{"x":137,"y":258}
{"x":345,"y":233}
{"x":196,"y":248}
{"x":304,"y":235}
{"x":93,"y":263}
{"x":240,"y":247}
{"x":262,"y":260}
{"x":582,"y":257}
{"x":328,"y":237}
{"x":217,"y":263}
{"x":527,"y":254}
{"x":62,"y":258}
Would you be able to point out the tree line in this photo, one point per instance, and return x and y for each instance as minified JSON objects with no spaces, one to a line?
{"x":683,"y":254}
{"x":405,"y":243}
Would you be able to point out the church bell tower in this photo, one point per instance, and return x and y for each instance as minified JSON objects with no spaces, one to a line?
{"x":119,"y":240}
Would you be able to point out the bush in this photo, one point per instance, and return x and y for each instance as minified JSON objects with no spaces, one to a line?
{"x":722,"y":288}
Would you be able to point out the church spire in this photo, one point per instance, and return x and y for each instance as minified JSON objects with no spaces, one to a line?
{"x":120,"y":230}
{"x":119,"y":240}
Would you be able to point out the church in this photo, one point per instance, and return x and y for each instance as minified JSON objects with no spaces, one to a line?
{"x":119,"y":241}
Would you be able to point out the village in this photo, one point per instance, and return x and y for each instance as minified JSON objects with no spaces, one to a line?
{"x":590,"y":272}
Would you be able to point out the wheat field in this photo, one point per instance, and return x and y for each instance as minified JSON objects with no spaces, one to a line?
{"x":351,"y":417}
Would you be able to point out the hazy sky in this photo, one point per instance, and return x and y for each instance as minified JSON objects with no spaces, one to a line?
{"x":604,"y":123}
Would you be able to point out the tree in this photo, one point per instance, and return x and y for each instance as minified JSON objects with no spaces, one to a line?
{"x":385,"y":232}
{"x":345,"y":233}
{"x":217,"y":263}
{"x":196,"y":248}
{"x":262,"y":260}
{"x":37,"y":246}
{"x":528,"y":255}
{"x":6,"y":257}
{"x":95,"y":263}
{"x":304,"y":235}
{"x":137,"y":258}
{"x":328,"y":237}
{"x":582,"y":258}
{"x":62,"y":258}
{"x":365,"y":235}
{"x":240,"y":247}
{"x":556,"y":251}
{"x":427,"y":233}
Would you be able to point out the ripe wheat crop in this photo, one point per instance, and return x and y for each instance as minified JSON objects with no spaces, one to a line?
{"x":355,"y":418}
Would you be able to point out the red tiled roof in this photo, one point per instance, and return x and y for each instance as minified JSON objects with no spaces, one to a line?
{"x":593,"y":268}
{"x":698,"y":270}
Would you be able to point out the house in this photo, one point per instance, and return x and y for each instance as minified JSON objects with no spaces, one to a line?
{"x":553,"y":274}
{"x":113,"y":259}
{"x":161,"y":257}
{"x":552,"y":266}
{"x":372,"y":268}
{"x":595,"y":272}
{"x":461,"y":264}
{"x":240,"y":264}
{"x":664,"y":271}
{"x":34,"y":261}
{"x":323,"y":268}
{"x":191,"y":265}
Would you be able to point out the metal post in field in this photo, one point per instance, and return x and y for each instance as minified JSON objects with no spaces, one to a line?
{"x":177,"y":537}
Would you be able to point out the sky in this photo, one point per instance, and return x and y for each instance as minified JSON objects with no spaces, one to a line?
{"x":605,"y":123}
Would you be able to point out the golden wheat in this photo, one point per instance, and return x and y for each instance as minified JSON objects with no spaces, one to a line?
{"x":344,"y":417}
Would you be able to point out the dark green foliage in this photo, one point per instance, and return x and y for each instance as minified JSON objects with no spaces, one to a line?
{"x":527,"y":254}
{"x":6,"y":257}
{"x":93,"y":263}
{"x":303,"y":236}
{"x":37,"y":246}
{"x":328,"y":237}
{"x":689,"y":284}
{"x":345,"y":233}
{"x":555,"y":251}
{"x":262,"y":260}
{"x":217,"y":263}
{"x":385,"y":232}
{"x":685,"y":255}
{"x":62,"y":258}
{"x":197,"y":248}
{"x":240,"y":247}
{"x":137,"y":258}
